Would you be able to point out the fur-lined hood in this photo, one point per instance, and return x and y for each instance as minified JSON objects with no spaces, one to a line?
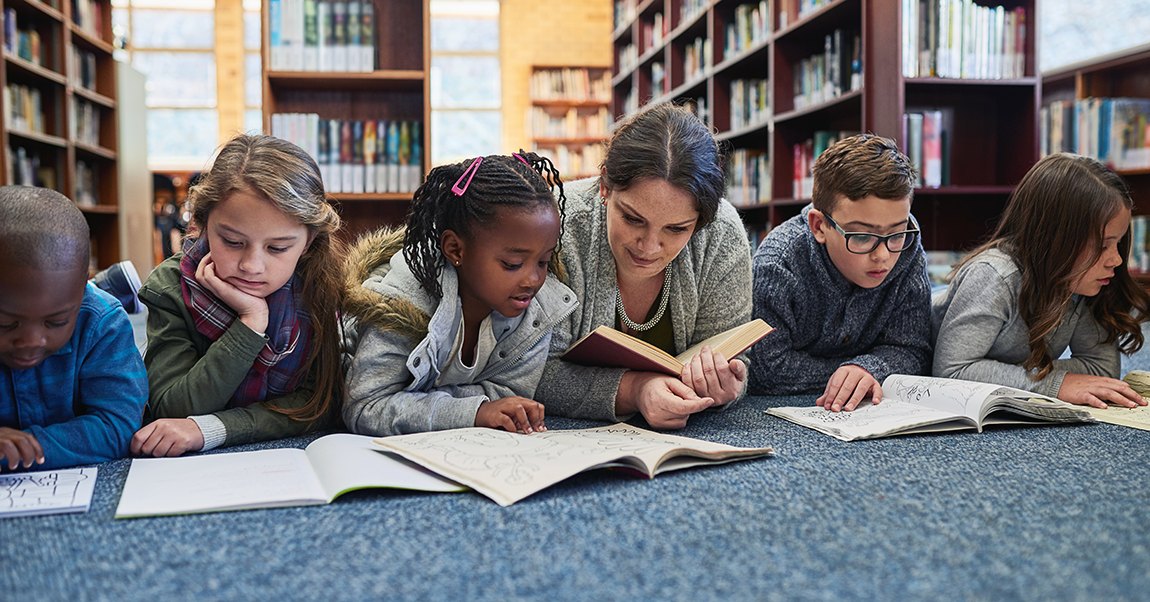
{"x":370,"y":301}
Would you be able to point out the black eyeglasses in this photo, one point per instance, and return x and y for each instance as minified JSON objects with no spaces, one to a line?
{"x":862,"y":243}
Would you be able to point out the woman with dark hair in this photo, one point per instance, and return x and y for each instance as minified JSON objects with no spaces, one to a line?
{"x":652,"y":249}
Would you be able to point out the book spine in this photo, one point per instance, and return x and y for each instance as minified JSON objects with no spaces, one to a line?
{"x":367,"y":37}
{"x":311,"y":39}
{"x":339,"y":52}
{"x":325,"y":35}
{"x":354,"y":23}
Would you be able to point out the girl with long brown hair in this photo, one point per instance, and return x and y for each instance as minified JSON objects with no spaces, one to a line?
{"x":1052,"y":277}
{"x":243,"y":329}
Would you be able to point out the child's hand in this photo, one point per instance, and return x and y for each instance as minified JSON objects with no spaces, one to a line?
{"x":19,"y":448}
{"x":848,"y":386}
{"x":513,"y":414}
{"x":1087,"y":390}
{"x":664,"y":401}
{"x":168,"y":437}
{"x":711,"y":375}
{"x":252,"y":310}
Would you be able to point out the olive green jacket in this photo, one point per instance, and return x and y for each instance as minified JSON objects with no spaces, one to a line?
{"x":190,"y":375}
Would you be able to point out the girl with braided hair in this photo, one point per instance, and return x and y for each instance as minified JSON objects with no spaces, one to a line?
{"x":243,"y":330}
{"x":454,"y":330}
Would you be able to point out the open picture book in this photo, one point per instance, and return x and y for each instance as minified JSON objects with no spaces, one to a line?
{"x":271,"y":478}
{"x":508,"y":467}
{"x":43,"y":492}
{"x":1135,"y":418}
{"x":608,"y":347}
{"x":923,"y":404}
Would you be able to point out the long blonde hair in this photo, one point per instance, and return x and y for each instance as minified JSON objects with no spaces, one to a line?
{"x":287,"y":177}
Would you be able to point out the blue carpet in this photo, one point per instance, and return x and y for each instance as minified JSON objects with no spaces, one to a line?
{"x":1042,"y":513}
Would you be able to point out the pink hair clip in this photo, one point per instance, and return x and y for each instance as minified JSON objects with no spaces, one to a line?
{"x":468,"y":173}
{"x":520,"y":157}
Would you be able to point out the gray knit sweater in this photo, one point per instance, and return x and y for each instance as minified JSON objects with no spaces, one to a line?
{"x":710,"y":293}
{"x":980,"y":336}
{"x":823,"y":321}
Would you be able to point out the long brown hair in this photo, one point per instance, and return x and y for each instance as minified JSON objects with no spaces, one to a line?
{"x":1056,"y":216}
{"x":287,"y":177}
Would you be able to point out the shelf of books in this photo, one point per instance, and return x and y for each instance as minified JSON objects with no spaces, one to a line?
{"x":1100,"y":109}
{"x":952,"y":81}
{"x":349,"y":82}
{"x":569,"y":117}
{"x":59,"y":127}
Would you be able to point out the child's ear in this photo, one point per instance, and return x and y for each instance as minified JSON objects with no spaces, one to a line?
{"x":451,"y":244}
{"x":815,"y":221}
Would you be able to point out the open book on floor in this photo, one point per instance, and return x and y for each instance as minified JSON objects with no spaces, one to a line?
{"x":46,"y":492}
{"x":923,"y":404}
{"x":508,"y":467}
{"x":608,"y":347}
{"x":1135,"y":418}
{"x":271,"y":478}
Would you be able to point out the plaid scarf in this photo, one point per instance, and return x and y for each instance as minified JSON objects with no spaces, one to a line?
{"x":278,"y":367}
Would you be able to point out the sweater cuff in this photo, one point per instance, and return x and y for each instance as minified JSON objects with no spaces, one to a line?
{"x":213,"y":430}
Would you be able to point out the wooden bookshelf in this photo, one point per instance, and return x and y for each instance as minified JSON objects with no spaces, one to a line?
{"x":994,"y":139}
{"x":569,"y":117}
{"x":1124,"y":74}
{"x":396,"y":88}
{"x":73,"y":137}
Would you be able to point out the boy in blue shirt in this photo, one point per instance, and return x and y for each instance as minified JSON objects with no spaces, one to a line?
{"x":72,"y":384}
{"x":844,"y":283}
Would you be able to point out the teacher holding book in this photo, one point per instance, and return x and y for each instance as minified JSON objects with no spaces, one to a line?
{"x":652,"y":250}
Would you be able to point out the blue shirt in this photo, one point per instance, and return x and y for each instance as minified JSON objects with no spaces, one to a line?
{"x":84,"y":402}
{"x":823,"y":321}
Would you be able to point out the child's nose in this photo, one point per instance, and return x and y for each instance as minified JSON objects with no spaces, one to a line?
{"x":252,"y":262}
{"x":31,"y":336}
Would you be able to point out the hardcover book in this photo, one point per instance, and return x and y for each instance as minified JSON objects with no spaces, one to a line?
{"x":608,"y":347}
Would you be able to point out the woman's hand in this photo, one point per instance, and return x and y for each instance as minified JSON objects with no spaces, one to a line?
{"x":167,"y":437}
{"x":252,"y":310}
{"x":711,"y":375}
{"x":512,"y":414}
{"x":1087,"y":390}
{"x":663,"y":400}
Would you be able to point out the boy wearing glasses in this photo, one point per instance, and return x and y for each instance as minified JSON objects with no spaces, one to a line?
{"x":844,"y":283}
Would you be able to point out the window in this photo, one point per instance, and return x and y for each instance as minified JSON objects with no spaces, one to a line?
{"x":466,"y":97}
{"x":1073,"y":31}
{"x":176,"y":44}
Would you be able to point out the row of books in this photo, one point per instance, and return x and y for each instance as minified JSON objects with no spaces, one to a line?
{"x":751,"y":27}
{"x":628,"y":57}
{"x":696,"y":57}
{"x":1139,"y":261}
{"x":805,"y":154}
{"x":82,"y":68}
{"x":24,"y":43}
{"x":698,"y":106}
{"x":358,"y":156}
{"x":660,"y":83}
{"x":927,"y":144}
{"x":85,"y":122}
{"x":26,"y":168}
{"x":1112,"y":130}
{"x":88,"y":16}
{"x":961,"y":39}
{"x":573,"y":124}
{"x":571,"y":84}
{"x":322,"y":35}
{"x":624,"y":12}
{"x":25,"y":108}
{"x":837,"y":71}
{"x":689,"y":9}
{"x":574,"y":161}
{"x":791,"y":11}
{"x":87,"y":184}
{"x":756,"y":234}
{"x":748,"y":177}
{"x":749,"y":102}
{"x":655,"y":31}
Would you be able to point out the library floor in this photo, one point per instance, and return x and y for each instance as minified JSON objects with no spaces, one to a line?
{"x":1038,"y":513}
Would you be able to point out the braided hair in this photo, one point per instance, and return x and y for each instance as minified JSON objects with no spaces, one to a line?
{"x":499,"y":181}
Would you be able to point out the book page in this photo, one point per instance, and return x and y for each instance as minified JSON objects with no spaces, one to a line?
{"x":1136,"y":418}
{"x":503,"y":466}
{"x":257,"y":479}
{"x":654,"y":450}
{"x":344,"y":462}
{"x":868,"y":421}
{"x":961,"y":397}
{"x":46,"y":492}
{"x":732,"y":342}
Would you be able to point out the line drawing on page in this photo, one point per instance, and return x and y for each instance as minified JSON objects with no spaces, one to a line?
{"x":50,"y":489}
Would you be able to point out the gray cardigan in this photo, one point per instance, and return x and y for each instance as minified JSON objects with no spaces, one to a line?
{"x":979,"y":335}
{"x":710,"y":293}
